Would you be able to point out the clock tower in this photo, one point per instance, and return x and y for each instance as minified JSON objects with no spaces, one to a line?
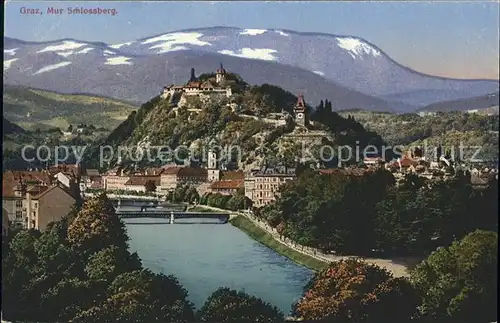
{"x":300,"y":111}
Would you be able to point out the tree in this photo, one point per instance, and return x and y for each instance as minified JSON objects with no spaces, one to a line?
{"x":96,"y":227}
{"x":141,"y":296}
{"x":459,"y":283}
{"x":353,"y":291}
{"x":108,"y":263}
{"x":226,"y":305}
{"x":150,"y":186}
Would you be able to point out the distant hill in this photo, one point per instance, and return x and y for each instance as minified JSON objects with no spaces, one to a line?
{"x":446,"y":128}
{"x":475,"y":103}
{"x":33,"y":108}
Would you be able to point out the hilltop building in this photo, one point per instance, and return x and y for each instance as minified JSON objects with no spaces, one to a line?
{"x":301,"y":112}
{"x":194,"y":87}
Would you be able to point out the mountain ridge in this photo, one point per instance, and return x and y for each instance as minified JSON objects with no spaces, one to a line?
{"x":348,"y":61}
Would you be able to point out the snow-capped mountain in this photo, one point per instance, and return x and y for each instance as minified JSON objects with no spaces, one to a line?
{"x":138,"y":68}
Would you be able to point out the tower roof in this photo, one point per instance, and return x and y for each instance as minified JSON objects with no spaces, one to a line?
{"x":300,"y":101}
{"x":221,"y":69}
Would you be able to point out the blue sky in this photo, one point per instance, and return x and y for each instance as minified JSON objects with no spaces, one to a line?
{"x":455,"y":39}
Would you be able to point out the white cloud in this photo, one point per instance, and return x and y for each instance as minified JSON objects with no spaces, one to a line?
{"x":254,"y":53}
{"x":65,"y":54}
{"x":84,"y":51}
{"x":169,"y":42}
{"x":356,"y":47}
{"x":10,"y":52}
{"x":319,"y":73}
{"x":8,"y":63}
{"x":281,"y":33}
{"x":253,"y":32}
{"x":66,"y":45}
{"x":117,"y":46}
{"x":118,"y":60}
{"x":51,"y":67}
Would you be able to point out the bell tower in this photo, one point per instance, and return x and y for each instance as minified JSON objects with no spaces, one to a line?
{"x":213,"y":170}
{"x":300,"y":112}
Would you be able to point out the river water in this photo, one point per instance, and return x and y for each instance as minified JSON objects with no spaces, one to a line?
{"x":205,"y":257}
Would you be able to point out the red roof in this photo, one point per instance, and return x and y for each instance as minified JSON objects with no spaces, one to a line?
{"x":300,"y":101}
{"x":193,"y":84}
{"x":226,"y":185}
{"x":237,"y":175}
{"x":142,"y":180}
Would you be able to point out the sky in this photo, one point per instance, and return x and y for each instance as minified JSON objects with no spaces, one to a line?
{"x":452,"y":39}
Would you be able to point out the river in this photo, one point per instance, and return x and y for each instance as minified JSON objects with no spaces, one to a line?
{"x":207,"y":256}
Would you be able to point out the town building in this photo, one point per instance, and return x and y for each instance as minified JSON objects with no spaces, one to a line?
{"x":115,"y":179}
{"x":173,"y":176}
{"x":15,"y":184}
{"x":202,"y":90}
{"x":229,"y":187}
{"x":229,"y":182}
{"x":138,"y":183}
{"x":266,"y":182}
{"x":91,"y":179}
{"x":48,"y":205}
{"x":32,"y":199}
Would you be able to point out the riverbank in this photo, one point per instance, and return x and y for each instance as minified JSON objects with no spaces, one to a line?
{"x":260,"y":235}
{"x":399,"y":267}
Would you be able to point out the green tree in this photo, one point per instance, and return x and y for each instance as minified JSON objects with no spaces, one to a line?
{"x":226,"y":305}
{"x":97,"y":227}
{"x":354,"y":291}
{"x":110,"y":262}
{"x":141,"y":296}
{"x":459,"y":283}
{"x":150,"y":186}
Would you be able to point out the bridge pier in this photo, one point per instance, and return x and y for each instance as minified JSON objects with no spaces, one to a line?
{"x":172,"y":218}
{"x":119,"y":203}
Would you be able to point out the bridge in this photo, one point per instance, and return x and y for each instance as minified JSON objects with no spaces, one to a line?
{"x":144,"y":205}
{"x":172,"y":215}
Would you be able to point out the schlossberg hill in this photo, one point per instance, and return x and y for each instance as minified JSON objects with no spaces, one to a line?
{"x":265,"y":121}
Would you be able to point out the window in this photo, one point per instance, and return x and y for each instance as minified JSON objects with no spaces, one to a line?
{"x":19,"y":214}
{"x":36,"y":205}
{"x":19,"y":203}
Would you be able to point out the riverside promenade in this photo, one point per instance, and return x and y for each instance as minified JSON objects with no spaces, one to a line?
{"x":397,"y":266}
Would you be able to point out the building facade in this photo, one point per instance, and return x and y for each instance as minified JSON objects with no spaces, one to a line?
{"x":51,"y":205}
{"x":266,"y":183}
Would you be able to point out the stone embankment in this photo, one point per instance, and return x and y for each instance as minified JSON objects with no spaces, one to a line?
{"x":397,"y":266}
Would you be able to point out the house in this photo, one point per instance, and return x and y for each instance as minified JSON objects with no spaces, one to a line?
{"x":227,"y":187}
{"x":173,"y":176}
{"x":372,"y":161}
{"x":91,"y":179}
{"x":249,"y":183}
{"x":229,"y":183}
{"x":49,"y":205}
{"x":266,"y":182}
{"x":15,"y":184}
{"x":138,"y":183}
{"x":115,"y":179}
